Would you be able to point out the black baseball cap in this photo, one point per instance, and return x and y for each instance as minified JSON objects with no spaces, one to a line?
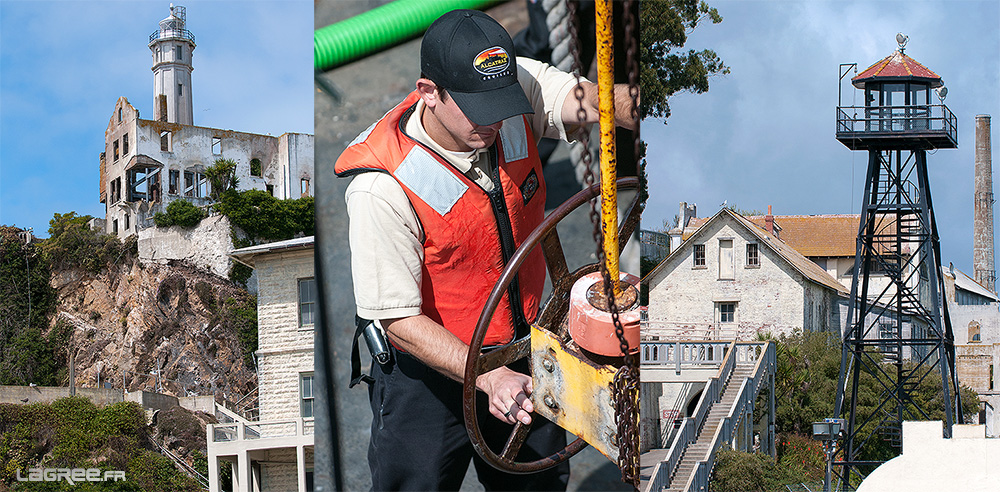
{"x":472,"y":56}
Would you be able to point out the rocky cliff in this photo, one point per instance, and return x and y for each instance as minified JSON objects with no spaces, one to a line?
{"x":167,"y":328}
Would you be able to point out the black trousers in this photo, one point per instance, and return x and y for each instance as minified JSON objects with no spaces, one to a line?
{"x":419,"y":441}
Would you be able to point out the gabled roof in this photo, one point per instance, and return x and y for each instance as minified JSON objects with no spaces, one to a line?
{"x":897,"y":66}
{"x":799,"y":263}
{"x":817,"y":235}
{"x":247,"y":255}
{"x":965,"y":282}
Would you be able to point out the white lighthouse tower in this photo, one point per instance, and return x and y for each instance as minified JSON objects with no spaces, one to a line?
{"x":172,"y":46}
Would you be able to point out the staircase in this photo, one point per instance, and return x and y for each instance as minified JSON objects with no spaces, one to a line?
{"x":687,"y":465}
{"x":699,"y":450}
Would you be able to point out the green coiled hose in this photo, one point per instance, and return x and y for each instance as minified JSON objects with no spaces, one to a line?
{"x":380,"y":28}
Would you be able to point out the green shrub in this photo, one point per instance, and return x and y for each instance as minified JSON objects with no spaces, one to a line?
{"x":181,"y":213}
{"x":242,"y":316}
{"x":746,"y":472}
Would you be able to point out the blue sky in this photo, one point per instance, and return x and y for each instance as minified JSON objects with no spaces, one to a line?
{"x":64,"y":64}
{"x":765,"y":134}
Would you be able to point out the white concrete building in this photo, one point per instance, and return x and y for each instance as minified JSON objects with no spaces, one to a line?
{"x":975,"y":320}
{"x":275,"y":453}
{"x":730,"y":279}
{"x":147,"y":164}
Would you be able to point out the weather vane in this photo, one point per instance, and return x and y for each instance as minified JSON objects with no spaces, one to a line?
{"x":901,"y":39}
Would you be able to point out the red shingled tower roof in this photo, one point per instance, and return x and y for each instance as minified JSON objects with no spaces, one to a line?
{"x":897,"y":66}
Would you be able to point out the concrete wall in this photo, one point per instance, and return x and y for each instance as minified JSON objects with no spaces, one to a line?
{"x":155,"y":401}
{"x":285,"y":349}
{"x":931,"y":463}
{"x":48,"y":394}
{"x":206,"y":245}
{"x":770,"y":297}
{"x":198,"y":403}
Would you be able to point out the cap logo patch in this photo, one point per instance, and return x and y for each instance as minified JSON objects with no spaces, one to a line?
{"x":492,"y":61}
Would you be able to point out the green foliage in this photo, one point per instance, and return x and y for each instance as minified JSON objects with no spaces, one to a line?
{"x":242,"y":316}
{"x":222,"y":176}
{"x":265,"y":218}
{"x":802,"y":458}
{"x":72,"y":244}
{"x":31,"y":352}
{"x":181,"y":213}
{"x":255,"y":167}
{"x":746,"y":472}
{"x":665,"y":69}
{"x":74,"y":433}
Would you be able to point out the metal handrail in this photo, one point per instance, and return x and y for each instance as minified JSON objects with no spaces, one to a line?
{"x":171,"y":33}
{"x":897,"y":119}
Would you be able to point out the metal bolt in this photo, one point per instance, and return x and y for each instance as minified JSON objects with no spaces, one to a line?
{"x":548,"y":364}
{"x":550,"y":402}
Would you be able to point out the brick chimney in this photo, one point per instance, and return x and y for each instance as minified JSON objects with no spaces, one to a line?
{"x":982,"y":225}
{"x":769,"y":221}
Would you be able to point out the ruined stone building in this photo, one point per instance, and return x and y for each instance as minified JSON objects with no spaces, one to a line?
{"x":148,"y":163}
{"x":275,"y":452}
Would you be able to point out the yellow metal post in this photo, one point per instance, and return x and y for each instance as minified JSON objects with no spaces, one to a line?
{"x":606,"y":104}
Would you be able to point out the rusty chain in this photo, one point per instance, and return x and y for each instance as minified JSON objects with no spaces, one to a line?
{"x":625,"y":386}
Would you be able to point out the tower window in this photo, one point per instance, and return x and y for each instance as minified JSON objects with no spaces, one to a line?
{"x":180,"y":90}
{"x":180,"y":52}
{"x":216,"y":145}
{"x":119,"y":115}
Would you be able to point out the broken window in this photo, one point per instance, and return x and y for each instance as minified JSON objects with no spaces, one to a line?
{"x":116,"y":189}
{"x":125,"y":144}
{"x":699,"y":255}
{"x":753,"y":255}
{"x":304,"y":185}
{"x":126,"y":223}
{"x":119,"y":115}
{"x":165,"y":141}
{"x":154,"y":186}
{"x":216,"y":145}
{"x":175,"y":177}
{"x":204,"y":187}
{"x":188,"y":183}
{"x":270,"y":189}
{"x":255,"y":167}
{"x":115,"y":147}
{"x":114,"y":226}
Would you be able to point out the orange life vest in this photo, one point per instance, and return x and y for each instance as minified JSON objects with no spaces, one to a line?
{"x":469,"y":234}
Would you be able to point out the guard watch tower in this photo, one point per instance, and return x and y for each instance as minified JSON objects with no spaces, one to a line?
{"x":172,"y":46}
{"x":899,"y":334}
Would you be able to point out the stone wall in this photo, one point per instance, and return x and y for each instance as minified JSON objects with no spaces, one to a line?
{"x":285,"y":349}
{"x":148,"y":399}
{"x":205,"y":246}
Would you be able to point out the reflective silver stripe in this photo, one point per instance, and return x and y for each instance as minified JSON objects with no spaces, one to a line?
{"x":430,"y":180}
{"x":363,"y":135}
{"x":514,"y":138}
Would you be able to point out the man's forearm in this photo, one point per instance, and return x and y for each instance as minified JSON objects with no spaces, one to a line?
{"x":591,"y":105}
{"x":430,"y":342}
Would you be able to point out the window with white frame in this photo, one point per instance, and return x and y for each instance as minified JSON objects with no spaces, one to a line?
{"x":699,"y":255}
{"x":753,"y":255}
{"x":307,"y":302}
{"x":306,"y":393}
{"x":216,"y":145}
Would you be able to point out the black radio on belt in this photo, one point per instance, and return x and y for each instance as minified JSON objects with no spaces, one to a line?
{"x":378,"y":346}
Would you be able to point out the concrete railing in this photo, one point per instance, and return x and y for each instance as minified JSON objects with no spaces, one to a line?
{"x":261,"y":430}
{"x":683,"y":354}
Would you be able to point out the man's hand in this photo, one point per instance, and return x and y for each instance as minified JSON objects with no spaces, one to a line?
{"x":421,"y":337}
{"x":623,"y":106}
{"x":508,"y":392}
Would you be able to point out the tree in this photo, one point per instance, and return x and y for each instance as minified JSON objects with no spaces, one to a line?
{"x":222,"y":176}
{"x":665,"y":69}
